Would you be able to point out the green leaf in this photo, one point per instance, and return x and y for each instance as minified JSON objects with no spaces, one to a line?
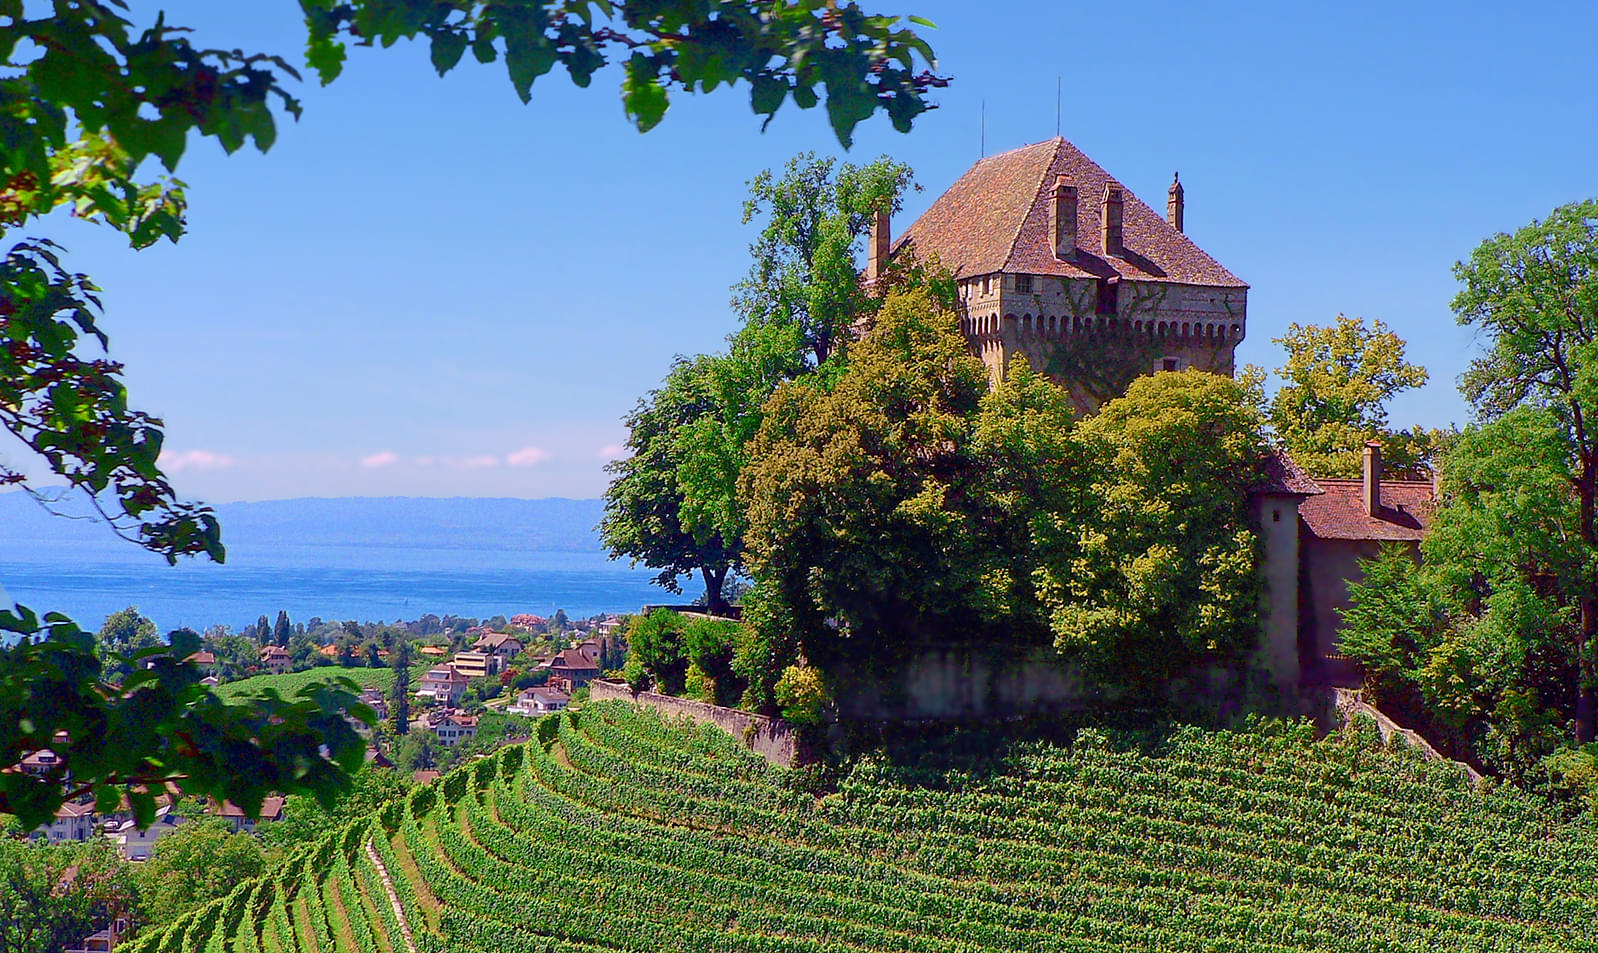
{"x":642,"y":94}
{"x":448,"y":46}
{"x":527,"y":57}
{"x":766,"y":95}
{"x":325,"y":55}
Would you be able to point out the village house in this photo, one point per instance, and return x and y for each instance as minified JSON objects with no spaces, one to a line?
{"x":74,"y":821}
{"x":574,"y":666}
{"x":271,"y":811}
{"x":443,"y":684}
{"x":276,"y":659}
{"x":539,"y":701}
{"x":593,"y":648}
{"x":503,"y":646}
{"x":134,"y":844}
{"x":434,"y":651}
{"x":40,"y":763}
{"x":450,"y":725}
{"x":377,"y":700}
{"x":102,"y":941}
{"x":475,"y":664}
{"x":205,"y":662}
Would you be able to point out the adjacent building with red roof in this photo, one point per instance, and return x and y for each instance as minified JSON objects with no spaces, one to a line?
{"x":1350,"y":520}
{"x":1314,"y":533}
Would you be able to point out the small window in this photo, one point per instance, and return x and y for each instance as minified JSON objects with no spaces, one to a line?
{"x":987,"y":286}
{"x":1170,"y":364}
{"x":1023,"y":284}
{"x":1276,"y":516}
{"x":1109,"y":296}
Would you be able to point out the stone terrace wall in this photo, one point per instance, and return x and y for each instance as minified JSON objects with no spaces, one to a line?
{"x":773,"y":739}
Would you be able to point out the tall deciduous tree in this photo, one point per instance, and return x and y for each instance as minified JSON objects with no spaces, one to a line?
{"x":644,"y":517}
{"x":1162,"y":570}
{"x":1484,"y":633}
{"x":881,"y":512}
{"x":1533,"y":297}
{"x":805,"y":273}
{"x":1337,"y":382}
{"x":674,"y":503}
{"x":197,"y":863}
{"x":53,"y":895}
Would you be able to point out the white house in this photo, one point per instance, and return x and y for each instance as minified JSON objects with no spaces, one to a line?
{"x":134,"y":844}
{"x":451,"y":725}
{"x":538,"y":701}
{"x":444,"y":684}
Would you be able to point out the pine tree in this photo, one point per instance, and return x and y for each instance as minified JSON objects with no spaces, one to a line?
{"x":400,"y":695}
{"x":282,"y":630}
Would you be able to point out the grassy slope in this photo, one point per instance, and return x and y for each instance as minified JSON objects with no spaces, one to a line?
{"x":289,"y":683}
{"x":1250,"y":841}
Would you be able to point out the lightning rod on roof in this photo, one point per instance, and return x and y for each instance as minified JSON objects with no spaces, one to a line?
{"x":1057,"y":81}
{"x":982,"y":132}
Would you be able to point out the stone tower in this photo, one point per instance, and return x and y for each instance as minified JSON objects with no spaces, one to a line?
{"x":1058,"y":261}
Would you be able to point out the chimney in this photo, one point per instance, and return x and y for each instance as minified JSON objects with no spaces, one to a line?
{"x":1062,"y":219}
{"x":1173,"y":202}
{"x":878,"y":262}
{"x":1113,"y":204}
{"x":1373,"y":478}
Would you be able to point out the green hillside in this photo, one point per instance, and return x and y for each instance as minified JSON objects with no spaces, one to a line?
{"x":288,"y":684}
{"x":617,"y":831}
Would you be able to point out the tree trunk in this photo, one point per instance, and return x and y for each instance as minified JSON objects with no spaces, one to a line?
{"x":714,"y":603}
{"x":1586,"y":689}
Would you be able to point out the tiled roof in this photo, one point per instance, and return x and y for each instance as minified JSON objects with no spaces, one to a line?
{"x":202,"y":658}
{"x":1339,"y":512}
{"x":571,"y":658}
{"x":271,"y":807}
{"x":996,"y":218}
{"x":496,"y":639}
{"x":1283,"y":477}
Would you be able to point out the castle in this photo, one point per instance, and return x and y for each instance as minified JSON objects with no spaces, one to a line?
{"x":1057,"y":261}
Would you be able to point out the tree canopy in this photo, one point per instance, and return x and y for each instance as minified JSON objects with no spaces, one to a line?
{"x":1338,"y":380}
{"x":1493,"y":635}
{"x":38,"y":915}
{"x":1533,"y":296}
{"x":674,"y":503}
{"x":1162,"y":565}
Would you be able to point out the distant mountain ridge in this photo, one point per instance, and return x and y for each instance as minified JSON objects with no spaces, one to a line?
{"x":477,"y":524}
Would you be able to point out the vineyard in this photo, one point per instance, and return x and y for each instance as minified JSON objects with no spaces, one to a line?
{"x":614,"y":830}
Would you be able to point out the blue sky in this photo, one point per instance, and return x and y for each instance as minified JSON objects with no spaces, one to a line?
{"x":429,"y":289}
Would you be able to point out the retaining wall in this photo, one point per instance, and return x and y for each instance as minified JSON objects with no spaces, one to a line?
{"x":769,"y":737}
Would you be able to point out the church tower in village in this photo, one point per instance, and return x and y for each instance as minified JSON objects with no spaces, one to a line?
{"x":1057,"y":261}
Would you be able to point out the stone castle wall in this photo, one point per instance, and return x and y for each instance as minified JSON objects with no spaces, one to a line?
{"x":1198,"y":326}
{"x":771,"y":738}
